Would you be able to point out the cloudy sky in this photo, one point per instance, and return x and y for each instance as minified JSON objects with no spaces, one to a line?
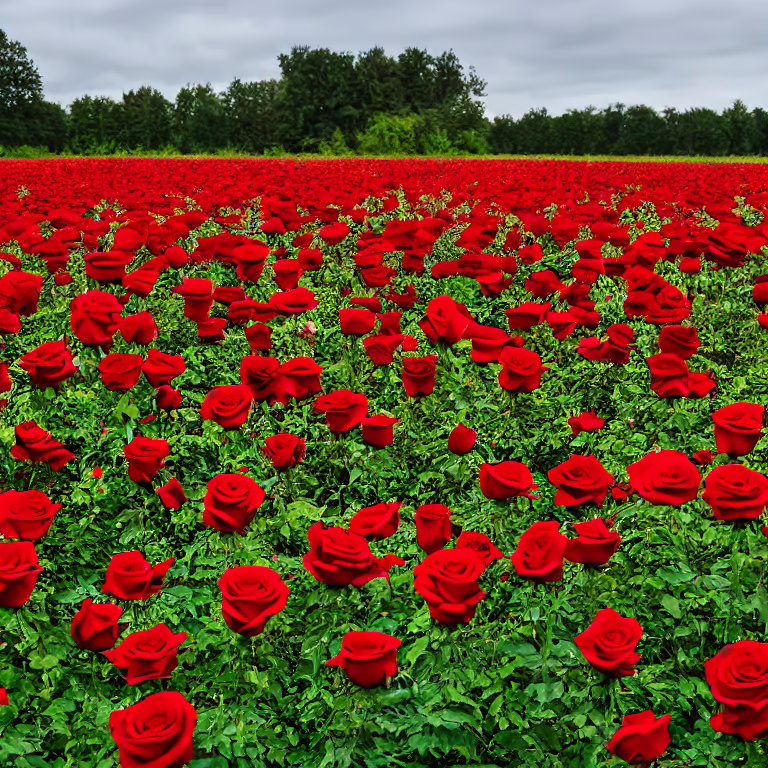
{"x":557,"y":54}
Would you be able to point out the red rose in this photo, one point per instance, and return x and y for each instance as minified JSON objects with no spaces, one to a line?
{"x":526,"y":315}
{"x":738,"y":427}
{"x":608,"y":644}
{"x":738,"y":677}
{"x":262,"y":376}
{"x":448,"y":581}
{"x":148,"y":655}
{"x":390,"y":323}
{"x":198,"y":297}
{"x":679,"y":340}
{"x":461,"y":440}
{"x":481,"y":545}
{"x":376,"y":522}
{"x":585,"y":422}
{"x":542,"y":284}
{"x":410,"y":344}
{"x":594,"y":545}
{"x":419,"y":375}
{"x":20,"y":292}
{"x":145,"y":458}
{"x":701,"y":384}
{"x":168,"y":398}
{"x":540,"y":552}
{"x":250,"y":595}
{"x":172,"y":494}
{"x":156,"y":732}
{"x":665,"y":477}
{"x":445,"y":321}
{"x":530,"y":254}
{"x":131,"y":577}
{"x":580,"y":479}
{"x":367,"y":658}
{"x":211,"y":329}
{"x":293,"y":302}
{"x":704,"y":457}
{"x":488,"y":348}
{"x":6,"y":383}
{"x":433,"y":527}
{"x":120,"y":372}
{"x":521,"y":369}
{"x":107,"y":266}
{"x":734,"y":492}
{"x":19,"y":570}
{"x":505,"y":480}
{"x":284,"y":450}
{"x":227,"y":405}
{"x":231,"y":502}
{"x":95,"y":316}
{"x":26,"y":514}
{"x":641,"y":739}
{"x":310,"y":258}
{"x":381,"y":348}
{"x":356,"y":321}
{"x":300,"y":377}
{"x":343,"y":409}
{"x":669,"y":375}
{"x":161,"y":369}
{"x":378,"y":431}
{"x":287,"y":273}
{"x":95,"y":627}
{"x":340,"y":557}
{"x":259,"y":337}
{"x":249,"y":259}
{"x":139,"y":328}
{"x":49,"y":364}
{"x":334,"y":233}
{"x":35,"y":444}
{"x":10,"y":323}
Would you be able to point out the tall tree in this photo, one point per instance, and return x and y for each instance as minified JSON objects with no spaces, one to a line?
{"x":740,"y":128}
{"x":145,"y":116}
{"x":319,"y":92}
{"x":21,"y":89}
{"x":199,"y":122}
{"x":94,"y":122}
{"x":251,"y":115}
{"x":381,"y":91}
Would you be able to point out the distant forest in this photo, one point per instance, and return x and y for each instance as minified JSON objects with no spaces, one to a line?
{"x":338,"y":103}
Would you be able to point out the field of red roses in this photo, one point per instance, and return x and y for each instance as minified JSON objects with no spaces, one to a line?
{"x":383,"y":463}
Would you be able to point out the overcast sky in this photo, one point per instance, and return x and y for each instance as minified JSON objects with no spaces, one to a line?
{"x":557,"y":54}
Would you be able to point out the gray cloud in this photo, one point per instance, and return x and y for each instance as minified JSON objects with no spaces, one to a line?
{"x":557,"y":54}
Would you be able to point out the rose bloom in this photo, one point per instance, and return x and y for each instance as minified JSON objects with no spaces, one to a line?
{"x":376,"y":522}
{"x":608,"y":644}
{"x":227,"y":405}
{"x":156,"y":732}
{"x":250,"y":595}
{"x":448,"y":581}
{"x":641,"y":739}
{"x":26,"y":514}
{"x":231,"y":502}
{"x":665,"y":477}
{"x":540,"y":552}
{"x":284,"y":450}
{"x":433,"y":527}
{"x":148,"y":655}
{"x":95,"y":626}
{"x":367,"y":658}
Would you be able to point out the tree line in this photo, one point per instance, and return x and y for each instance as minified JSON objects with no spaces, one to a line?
{"x":338,"y":103}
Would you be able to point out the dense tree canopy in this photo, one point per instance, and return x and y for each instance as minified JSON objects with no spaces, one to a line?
{"x":338,"y":102}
